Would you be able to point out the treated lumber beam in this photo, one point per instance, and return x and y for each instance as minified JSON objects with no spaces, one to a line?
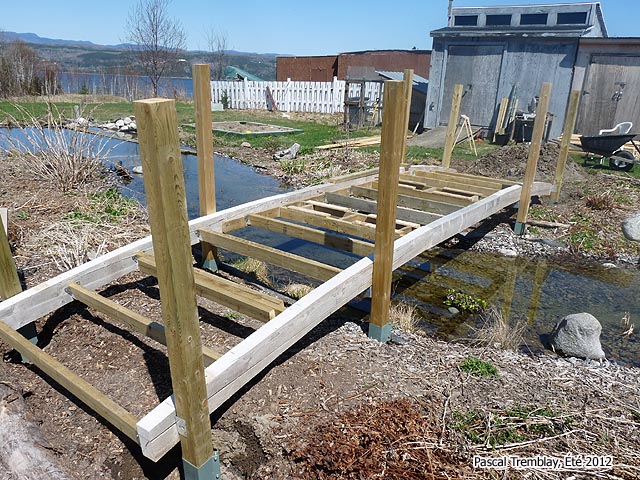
{"x":204,"y":146}
{"x":157,"y":430}
{"x":115,"y":414}
{"x":354,"y":176}
{"x":271,"y":255}
{"x":433,"y":194}
{"x":328,"y":239}
{"x":9,"y":280}
{"x":392,"y":152}
{"x":534,"y":154}
{"x":473,"y":181}
{"x":503,"y":181}
{"x":225,"y":292}
{"x":454,"y":115}
{"x":414,"y":203}
{"x":569,"y":126}
{"x":369,"y":206}
{"x":48,"y":296}
{"x":134,"y":320}
{"x":318,"y":219}
{"x":449,"y":184}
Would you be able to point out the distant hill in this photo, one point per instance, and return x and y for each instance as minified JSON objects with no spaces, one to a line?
{"x":88,"y":57}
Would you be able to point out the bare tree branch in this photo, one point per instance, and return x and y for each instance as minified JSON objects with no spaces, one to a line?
{"x":218,"y":44}
{"x":157,"y":40}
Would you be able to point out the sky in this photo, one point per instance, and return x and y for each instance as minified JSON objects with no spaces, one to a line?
{"x":318,"y":27}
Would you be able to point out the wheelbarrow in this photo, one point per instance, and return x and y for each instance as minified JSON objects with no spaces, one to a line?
{"x":610,"y":146}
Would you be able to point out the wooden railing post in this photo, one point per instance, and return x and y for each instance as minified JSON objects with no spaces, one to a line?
{"x":450,"y":140}
{"x":408,"y":90}
{"x":534,"y":155}
{"x":166,"y":200}
{"x":567,"y":132}
{"x":394,"y":130}
{"x":204,"y":143}
{"x":9,"y":280}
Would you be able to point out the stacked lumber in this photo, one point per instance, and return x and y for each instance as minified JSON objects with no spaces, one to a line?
{"x":353,"y":143}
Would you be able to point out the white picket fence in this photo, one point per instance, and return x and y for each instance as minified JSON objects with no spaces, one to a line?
{"x":289,"y":96}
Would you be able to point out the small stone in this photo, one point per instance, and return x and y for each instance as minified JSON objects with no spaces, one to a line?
{"x":609,"y":265}
{"x":245,"y":145}
{"x":453,"y":310}
{"x":508,"y":252}
{"x":120,"y":123}
{"x":137,"y":169}
{"x":631,"y":228}
{"x":127,"y":120}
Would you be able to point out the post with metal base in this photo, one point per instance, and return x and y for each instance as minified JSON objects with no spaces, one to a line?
{"x":209,"y":470}
{"x":166,"y":200}
{"x":204,"y":143}
{"x":394,"y":127}
{"x":534,"y":155}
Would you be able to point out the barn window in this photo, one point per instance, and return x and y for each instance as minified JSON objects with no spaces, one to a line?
{"x":572,"y":18}
{"x":495,"y":20}
{"x":465,"y":20}
{"x":533,"y":18}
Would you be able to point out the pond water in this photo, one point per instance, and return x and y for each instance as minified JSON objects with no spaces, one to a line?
{"x":538,"y":292}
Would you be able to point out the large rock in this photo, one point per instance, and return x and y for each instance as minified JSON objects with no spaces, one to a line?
{"x":631,"y":228}
{"x":578,"y":335}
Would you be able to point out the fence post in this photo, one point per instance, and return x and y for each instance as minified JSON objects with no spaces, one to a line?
{"x":453,"y":124}
{"x":569,"y":125}
{"x":164,"y":186}
{"x":9,"y":280}
{"x":534,"y":155}
{"x":204,"y":146}
{"x":391,"y":155}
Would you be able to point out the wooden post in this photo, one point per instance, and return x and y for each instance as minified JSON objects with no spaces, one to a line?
{"x":166,"y":200}
{"x":567,"y":132}
{"x":9,"y":280}
{"x":408,"y":90}
{"x":204,"y":142}
{"x":394,"y":129}
{"x":453,"y":123}
{"x":502,"y":113}
{"x":534,"y":155}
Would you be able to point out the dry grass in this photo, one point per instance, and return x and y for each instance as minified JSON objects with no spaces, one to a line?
{"x":497,"y":331}
{"x":601,"y":201}
{"x":404,"y":316}
{"x":254,"y":267}
{"x":297,"y":290}
{"x":69,"y":159}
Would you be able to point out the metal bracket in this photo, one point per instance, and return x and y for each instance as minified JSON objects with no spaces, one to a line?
{"x":181,"y":425}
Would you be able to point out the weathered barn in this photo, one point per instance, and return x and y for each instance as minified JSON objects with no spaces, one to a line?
{"x":491,"y":49}
{"x":324,"y":68}
{"x":607,"y":70}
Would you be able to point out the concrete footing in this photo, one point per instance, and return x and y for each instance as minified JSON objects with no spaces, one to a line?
{"x":520,"y":228}
{"x":30,"y":333}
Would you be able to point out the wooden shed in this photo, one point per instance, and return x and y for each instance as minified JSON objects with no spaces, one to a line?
{"x":491,"y":49}
{"x":607,"y":71}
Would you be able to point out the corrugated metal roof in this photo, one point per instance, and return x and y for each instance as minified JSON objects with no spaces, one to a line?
{"x":239,"y":74}
{"x":419,"y":83}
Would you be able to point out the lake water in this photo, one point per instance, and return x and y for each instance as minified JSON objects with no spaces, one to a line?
{"x":538,"y":292}
{"x":128,"y":86}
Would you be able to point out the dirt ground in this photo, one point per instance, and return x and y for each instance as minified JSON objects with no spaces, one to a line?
{"x":337,"y":405}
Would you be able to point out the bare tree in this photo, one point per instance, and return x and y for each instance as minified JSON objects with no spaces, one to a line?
{"x":157,"y":40}
{"x":218,"y":44}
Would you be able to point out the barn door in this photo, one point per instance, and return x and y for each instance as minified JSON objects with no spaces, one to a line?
{"x":477,"y":67}
{"x":610,"y":93}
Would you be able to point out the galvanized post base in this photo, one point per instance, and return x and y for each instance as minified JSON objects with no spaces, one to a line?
{"x":520,"y":228}
{"x":210,"y":265}
{"x":382,"y":334}
{"x":209,"y":470}
{"x":29,"y":332}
